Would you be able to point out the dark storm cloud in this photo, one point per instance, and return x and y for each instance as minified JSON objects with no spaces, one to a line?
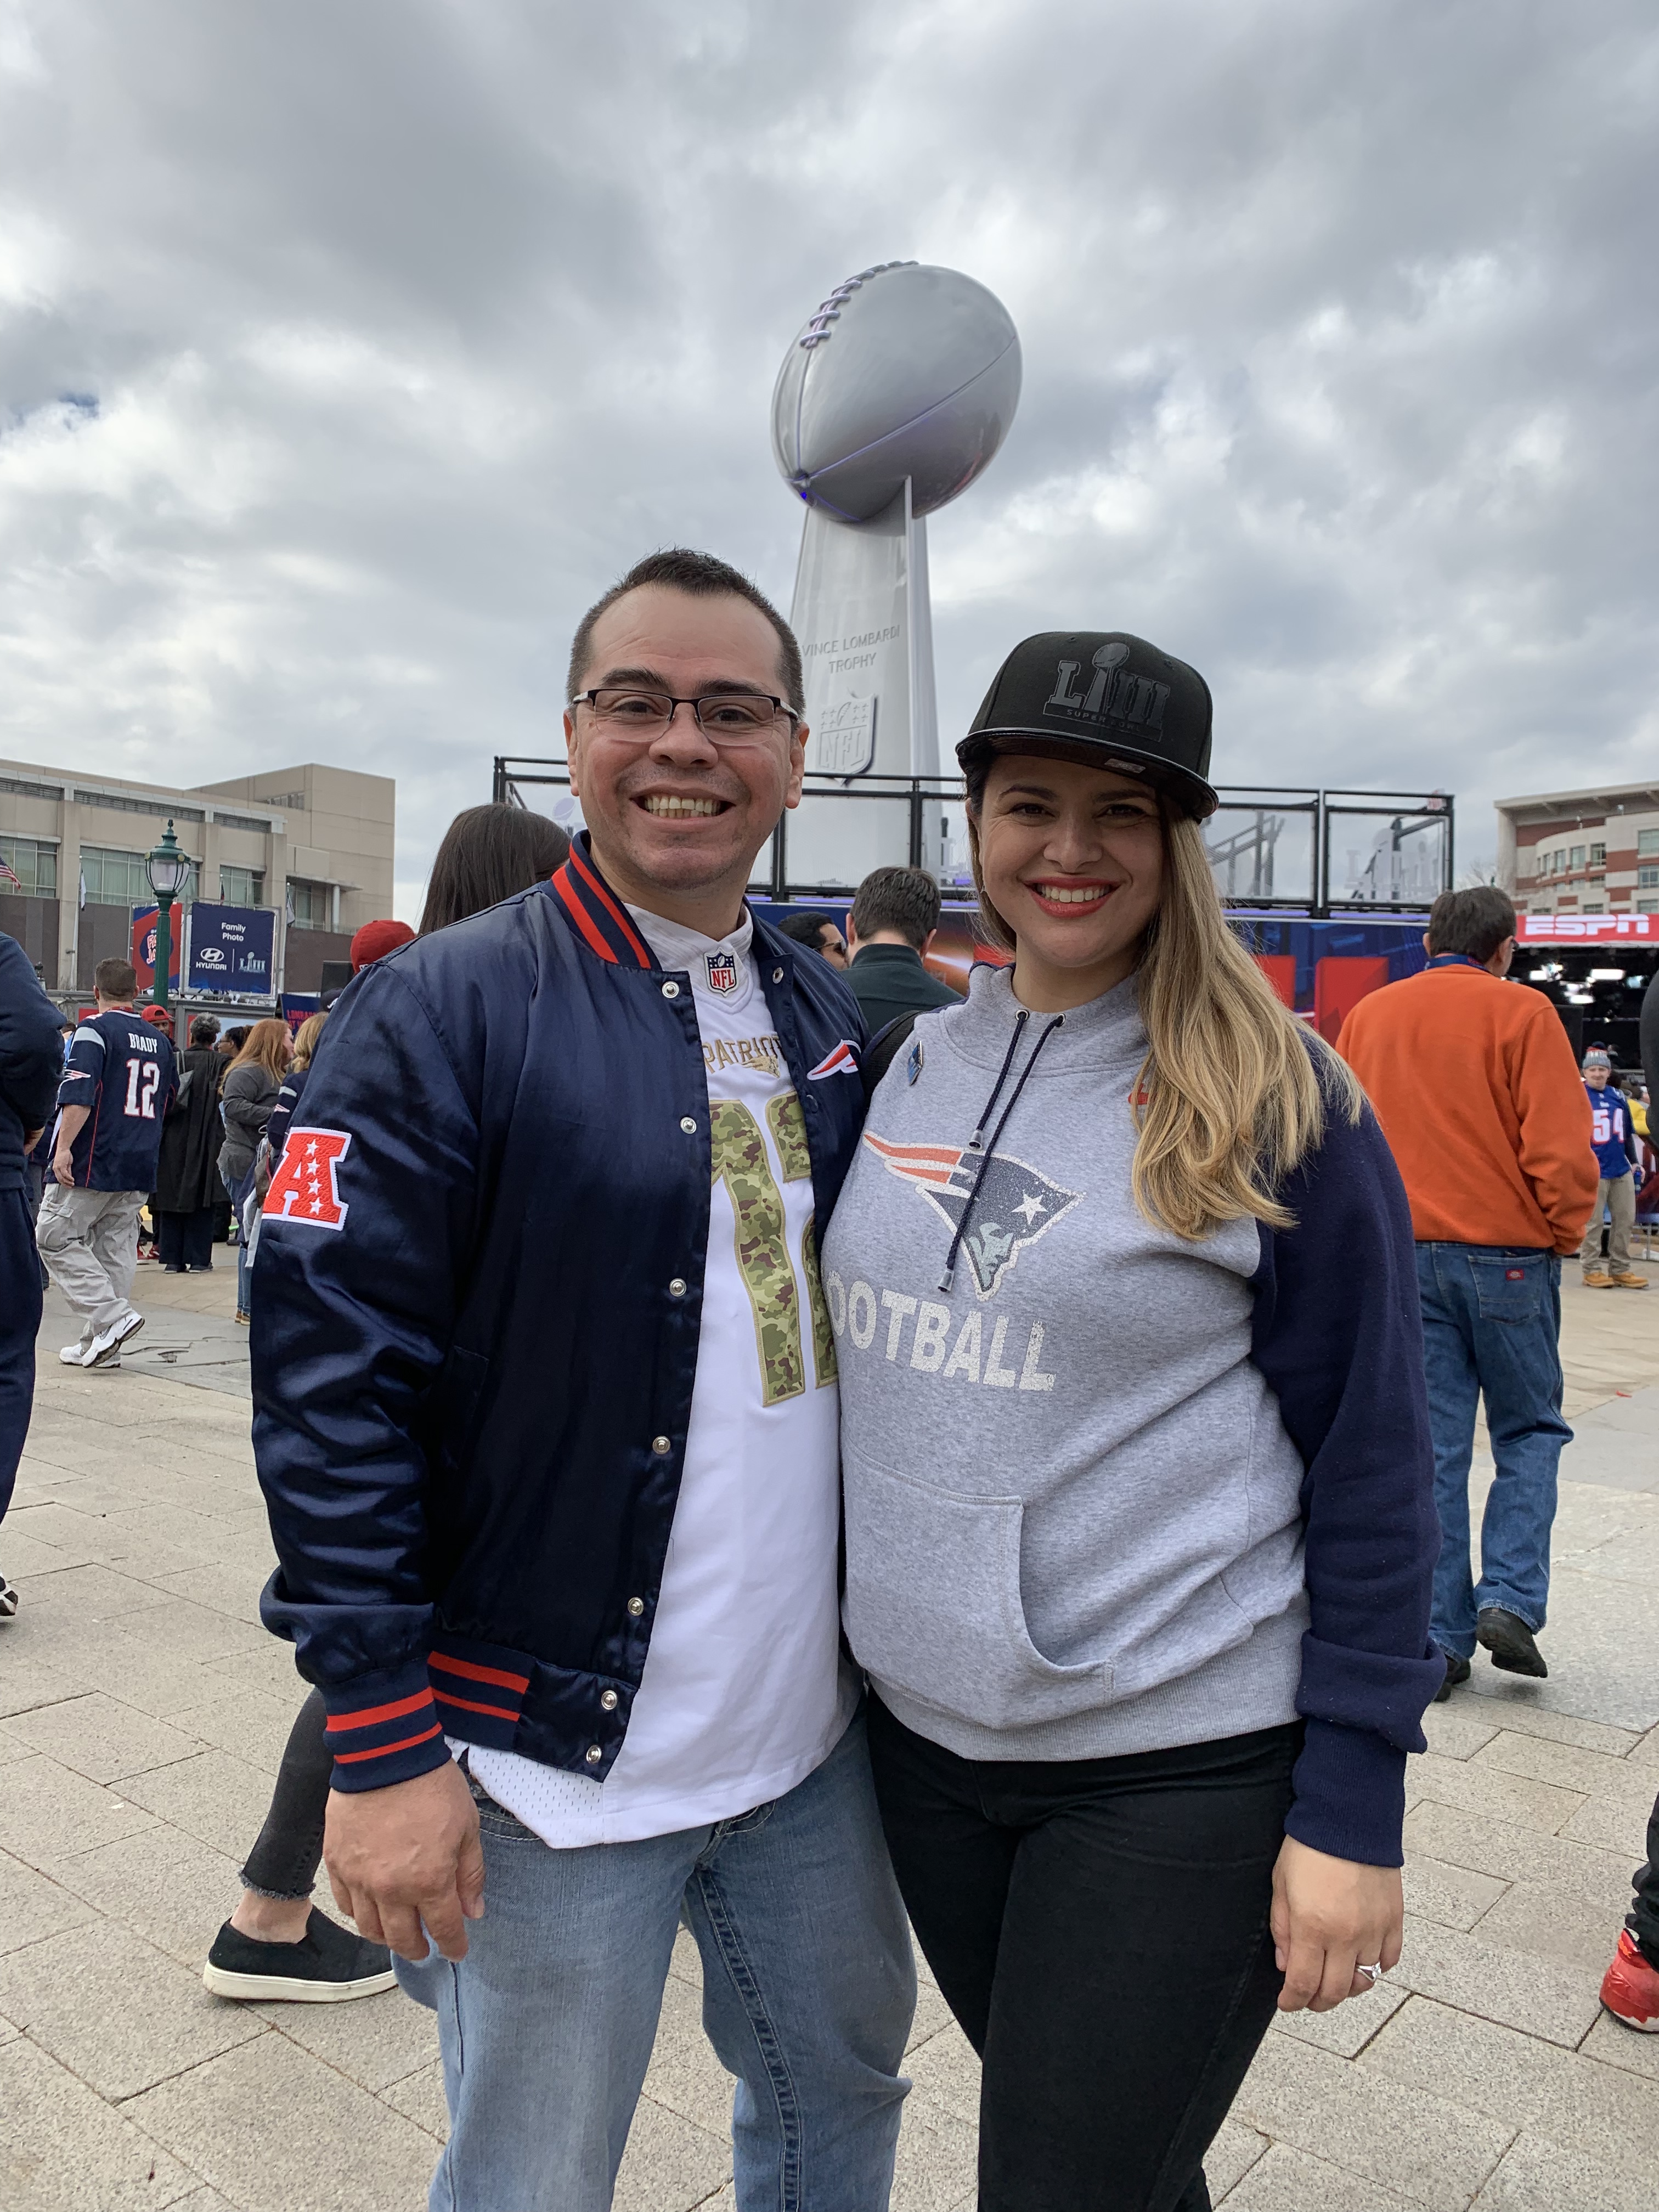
{"x":408,"y":326}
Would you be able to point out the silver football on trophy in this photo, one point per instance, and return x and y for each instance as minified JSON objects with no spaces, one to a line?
{"x":904,"y":371}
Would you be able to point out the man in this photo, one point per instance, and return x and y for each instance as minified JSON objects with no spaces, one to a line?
{"x":1614,"y":1142}
{"x":114,"y":1096}
{"x":1475,"y":1085}
{"x":543,"y":1384}
{"x":819,"y":931}
{"x":894,"y":918}
{"x":31,"y":1060}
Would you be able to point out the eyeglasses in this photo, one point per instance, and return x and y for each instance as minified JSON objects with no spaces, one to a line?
{"x":731,"y":719}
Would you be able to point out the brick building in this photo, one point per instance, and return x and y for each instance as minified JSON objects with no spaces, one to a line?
{"x":1593,"y":851}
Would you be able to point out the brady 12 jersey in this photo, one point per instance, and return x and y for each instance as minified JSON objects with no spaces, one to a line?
{"x":123,"y":1069}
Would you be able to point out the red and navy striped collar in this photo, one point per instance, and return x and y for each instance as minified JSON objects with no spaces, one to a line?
{"x":595,"y":913}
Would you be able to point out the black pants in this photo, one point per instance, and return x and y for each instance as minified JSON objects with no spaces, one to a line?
{"x":284,"y":1861}
{"x":187,"y":1239}
{"x":1099,"y":1927}
{"x":1643,"y":1921}
{"x":20,"y":1324}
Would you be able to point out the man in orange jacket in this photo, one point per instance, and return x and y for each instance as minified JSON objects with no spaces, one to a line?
{"x":1475,"y":1084}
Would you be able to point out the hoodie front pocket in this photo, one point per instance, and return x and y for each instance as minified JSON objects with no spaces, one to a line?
{"x":933,"y":1607}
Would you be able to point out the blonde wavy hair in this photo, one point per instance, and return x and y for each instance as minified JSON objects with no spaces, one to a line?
{"x":307,"y":1038}
{"x":1234,"y":1090}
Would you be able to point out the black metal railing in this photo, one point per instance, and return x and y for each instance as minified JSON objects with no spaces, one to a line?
{"x":1304,"y":851}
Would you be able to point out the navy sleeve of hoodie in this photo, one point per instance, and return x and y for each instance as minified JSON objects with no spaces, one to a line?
{"x":1339,"y":1335}
{"x":31,"y":1058}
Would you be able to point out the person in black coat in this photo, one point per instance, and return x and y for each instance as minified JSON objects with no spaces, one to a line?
{"x":894,"y":913}
{"x":30,"y":1061}
{"x":188,"y":1190}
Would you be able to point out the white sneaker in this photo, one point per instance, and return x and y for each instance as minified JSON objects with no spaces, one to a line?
{"x":104,"y":1350}
{"x":74,"y":1355}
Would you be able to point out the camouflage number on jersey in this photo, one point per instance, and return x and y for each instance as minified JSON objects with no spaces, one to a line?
{"x":741,"y":1162}
{"x":789,"y":1126}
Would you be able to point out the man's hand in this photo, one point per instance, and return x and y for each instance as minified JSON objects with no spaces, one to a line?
{"x":407,"y":1854}
{"x":63,"y":1169}
{"x":1329,"y":1918}
{"x":32,"y":1137}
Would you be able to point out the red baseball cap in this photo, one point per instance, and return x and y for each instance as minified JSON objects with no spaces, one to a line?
{"x":375,"y":940}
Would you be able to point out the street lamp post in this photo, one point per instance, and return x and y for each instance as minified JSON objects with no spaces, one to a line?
{"x":169,"y":870}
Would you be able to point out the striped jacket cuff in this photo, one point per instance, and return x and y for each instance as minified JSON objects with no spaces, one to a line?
{"x":383,"y":1728}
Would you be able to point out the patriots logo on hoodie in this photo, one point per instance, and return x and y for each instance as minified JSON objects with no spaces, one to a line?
{"x":1017,"y":1204}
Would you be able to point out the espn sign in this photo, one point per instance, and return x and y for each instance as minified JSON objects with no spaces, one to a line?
{"x":1587,"y":928}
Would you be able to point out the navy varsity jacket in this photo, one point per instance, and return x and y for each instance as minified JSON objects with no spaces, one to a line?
{"x":475,"y":1330}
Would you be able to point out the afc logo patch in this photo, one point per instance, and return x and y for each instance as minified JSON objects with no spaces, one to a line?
{"x":305,"y":1186}
{"x":722,"y":972}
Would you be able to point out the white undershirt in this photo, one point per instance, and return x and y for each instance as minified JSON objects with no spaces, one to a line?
{"x":743,"y":1693}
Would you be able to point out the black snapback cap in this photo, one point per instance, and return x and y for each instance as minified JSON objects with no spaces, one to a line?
{"x":1105,"y":698}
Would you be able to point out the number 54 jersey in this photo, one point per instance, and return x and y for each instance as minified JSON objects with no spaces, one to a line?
{"x":124,"y":1071}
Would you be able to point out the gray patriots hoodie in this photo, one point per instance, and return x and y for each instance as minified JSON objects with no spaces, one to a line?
{"x":1073,"y":1526}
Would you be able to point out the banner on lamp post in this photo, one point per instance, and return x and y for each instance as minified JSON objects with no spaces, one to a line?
{"x":145,"y":919}
{"x":232,"y":951}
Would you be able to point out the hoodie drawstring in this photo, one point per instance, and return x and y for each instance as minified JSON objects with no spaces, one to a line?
{"x":975,"y":1141}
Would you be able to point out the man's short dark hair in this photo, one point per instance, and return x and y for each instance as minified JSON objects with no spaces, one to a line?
{"x":115,"y":979}
{"x":808,"y":928}
{"x":704,"y":577}
{"x":1475,"y":923}
{"x":904,"y":899}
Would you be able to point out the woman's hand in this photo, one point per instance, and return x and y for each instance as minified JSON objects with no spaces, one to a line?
{"x":1330,"y":1916}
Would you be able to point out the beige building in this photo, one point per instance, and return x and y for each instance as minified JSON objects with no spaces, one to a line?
{"x":314,"y":843}
{"x":1594,"y":851}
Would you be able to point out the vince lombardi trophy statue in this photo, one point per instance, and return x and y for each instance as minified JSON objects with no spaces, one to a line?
{"x":894,"y":398}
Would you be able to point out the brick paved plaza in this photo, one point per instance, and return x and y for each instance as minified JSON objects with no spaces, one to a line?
{"x":143,"y":1710}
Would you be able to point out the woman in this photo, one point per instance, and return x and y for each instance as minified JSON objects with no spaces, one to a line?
{"x":188,"y":1190}
{"x":307,"y":1038}
{"x":149,"y":1221}
{"x":487,"y":853}
{"x":246,"y":1098}
{"x":1136,"y":1461}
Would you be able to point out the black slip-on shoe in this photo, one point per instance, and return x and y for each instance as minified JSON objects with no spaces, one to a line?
{"x":1457,"y":1670}
{"x":1509,"y":1641}
{"x":325,"y":1966}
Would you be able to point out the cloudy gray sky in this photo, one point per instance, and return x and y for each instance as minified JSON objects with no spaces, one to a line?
{"x":348,"y":350}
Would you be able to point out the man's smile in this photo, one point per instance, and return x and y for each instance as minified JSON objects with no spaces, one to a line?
{"x":668,"y":807}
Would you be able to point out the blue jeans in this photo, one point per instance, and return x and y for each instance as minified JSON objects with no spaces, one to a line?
{"x":546,"y":2026}
{"x":1492,"y":1328}
{"x":20,"y":1324}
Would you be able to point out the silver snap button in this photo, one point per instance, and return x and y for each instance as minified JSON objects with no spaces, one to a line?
{"x":636,"y":1607}
{"x":777,"y":975}
{"x":670,"y":990}
{"x":661,"y":1446}
{"x":594,"y":1754}
{"x":677,"y":1288}
{"x":608,"y":1701}
{"x":689,"y":1125}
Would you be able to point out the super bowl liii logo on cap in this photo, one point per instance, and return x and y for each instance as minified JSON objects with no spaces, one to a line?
{"x":1115,"y":694}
